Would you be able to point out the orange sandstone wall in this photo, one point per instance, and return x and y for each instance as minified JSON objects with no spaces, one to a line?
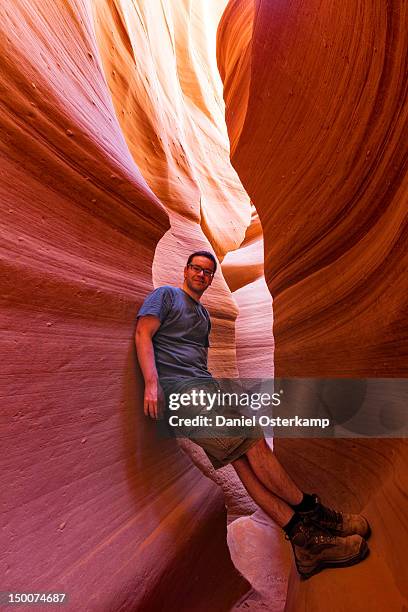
{"x":321,"y":151}
{"x":93,"y":503}
{"x":160,"y":64}
{"x":243,"y":270}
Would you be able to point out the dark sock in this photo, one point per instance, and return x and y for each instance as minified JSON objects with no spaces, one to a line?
{"x":308,"y":503}
{"x":292,"y":523}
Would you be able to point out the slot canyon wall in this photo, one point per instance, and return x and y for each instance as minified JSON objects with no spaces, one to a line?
{"x":318,"y":130}
{"x":116,"y":163}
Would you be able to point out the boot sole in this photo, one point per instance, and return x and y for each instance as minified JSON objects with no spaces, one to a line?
{"x":362,"y":554}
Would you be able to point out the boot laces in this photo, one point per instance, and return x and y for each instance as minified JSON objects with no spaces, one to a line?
{"x":315,"y":530}
{"x":330,"y":516}
{"x":321,"y":532}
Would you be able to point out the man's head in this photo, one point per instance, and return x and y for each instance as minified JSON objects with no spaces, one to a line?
{"x":199,"y":272}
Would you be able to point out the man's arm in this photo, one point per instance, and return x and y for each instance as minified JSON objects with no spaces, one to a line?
{"x":146,"y":327}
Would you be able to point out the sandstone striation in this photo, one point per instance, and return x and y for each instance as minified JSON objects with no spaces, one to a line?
{"x":96,"y":505}
{"x":116,"y":154}
{"x":321,"y":151}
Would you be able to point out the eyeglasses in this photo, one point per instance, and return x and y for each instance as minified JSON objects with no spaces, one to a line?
{"x":199,"y":269}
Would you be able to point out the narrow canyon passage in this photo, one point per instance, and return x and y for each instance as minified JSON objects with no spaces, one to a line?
{"x":133,"y":133}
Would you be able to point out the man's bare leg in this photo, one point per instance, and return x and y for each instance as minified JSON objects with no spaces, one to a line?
{"x":274,"y":507}
{"x":271,"y":473}
{"x":313,"y":548}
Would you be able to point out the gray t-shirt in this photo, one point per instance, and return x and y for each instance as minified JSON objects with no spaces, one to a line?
{"x":181,"y":342}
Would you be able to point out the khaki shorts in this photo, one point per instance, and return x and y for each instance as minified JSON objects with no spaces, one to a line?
{"x":222,"y":445}
{"x":222,"y":451}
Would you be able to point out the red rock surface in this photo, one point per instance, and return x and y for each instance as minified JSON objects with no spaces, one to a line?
{"x":93,"y":503}
{"x":321,"y":151}
{"x":243,"y":270}
{"x":115,"y":165}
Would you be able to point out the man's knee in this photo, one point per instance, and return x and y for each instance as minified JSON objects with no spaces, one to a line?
{"x":258,"y":449}
{"x":240,"y":462}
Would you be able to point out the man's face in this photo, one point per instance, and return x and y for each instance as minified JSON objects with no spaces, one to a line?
{"x":196,"y":279}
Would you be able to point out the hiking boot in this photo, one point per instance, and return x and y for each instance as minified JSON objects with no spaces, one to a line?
{"x":315,"y":549}
{"x":338,"y":523}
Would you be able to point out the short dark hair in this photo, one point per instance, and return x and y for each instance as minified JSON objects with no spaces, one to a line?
{"x":203,"y":254}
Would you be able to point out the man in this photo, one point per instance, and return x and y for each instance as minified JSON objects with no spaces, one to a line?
{"x":172,"y":345}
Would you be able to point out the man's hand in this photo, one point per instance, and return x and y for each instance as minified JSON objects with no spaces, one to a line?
{"x":153,"y":404}
{"x":153,"y":400}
